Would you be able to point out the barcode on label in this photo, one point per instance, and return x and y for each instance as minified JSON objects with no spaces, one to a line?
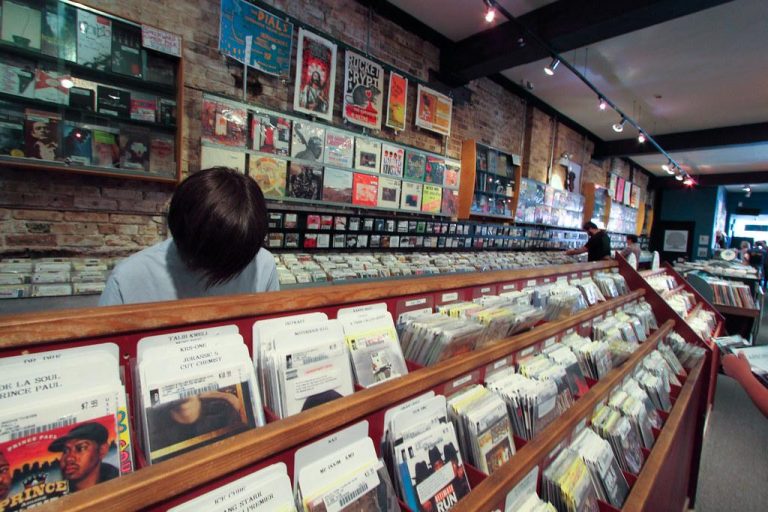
{"x":447,"y":297}
{"x":186,"y":393}
{"x":39,"y":429}
{"x":415,"y":302}
{"x":353,"y":495}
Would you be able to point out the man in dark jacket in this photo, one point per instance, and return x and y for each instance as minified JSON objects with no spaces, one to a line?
{"x":598,"y":247}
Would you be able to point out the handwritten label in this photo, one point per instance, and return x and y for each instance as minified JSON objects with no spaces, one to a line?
{"x":448,"y":297}
{"x":415,"y":302}
{"x":160,"y":40}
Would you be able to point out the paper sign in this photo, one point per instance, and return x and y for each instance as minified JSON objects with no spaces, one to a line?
{"x":160,"y":40}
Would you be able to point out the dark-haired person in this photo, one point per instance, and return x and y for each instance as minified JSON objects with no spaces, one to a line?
{"x":632,"y":248}
{"x":82,"y":451}
{"x":218,"y":220}
{"x":598,"y":247}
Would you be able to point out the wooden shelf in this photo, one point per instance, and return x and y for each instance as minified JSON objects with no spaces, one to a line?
{"x":737,"y":311}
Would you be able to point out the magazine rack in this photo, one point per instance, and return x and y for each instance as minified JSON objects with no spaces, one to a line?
{"x":95,"y":81}
{"x":663,"y":312}
{"x":169,"y":483}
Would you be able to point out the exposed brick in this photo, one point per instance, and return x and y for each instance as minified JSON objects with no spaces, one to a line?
{"x":121,"y":193}
{"x":30,"y":240}
{"x":127,"y":219}
{"x":86,"y":217}
{"x":38,"y":227}
{"x":80,"y":240}
{"x":47,"y":215}
{"x":95,"y":203}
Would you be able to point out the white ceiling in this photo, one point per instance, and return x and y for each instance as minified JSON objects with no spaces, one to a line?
{"x":760,"y":187}
{"x":705,"y":70}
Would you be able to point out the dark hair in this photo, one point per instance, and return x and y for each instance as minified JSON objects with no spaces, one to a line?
{"x":589,"y":225}
{"x":632,"y":238}
{"x":218,"y":220}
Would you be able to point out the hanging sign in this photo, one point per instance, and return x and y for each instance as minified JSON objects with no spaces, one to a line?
{"x":315,"y":75}
{"x":433,"y":110}
{"x":397,"y":101}
{"x":363,"y":88}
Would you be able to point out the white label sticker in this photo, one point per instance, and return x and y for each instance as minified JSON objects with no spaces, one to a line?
{"x":448,"y":297}
{"x":546,"y":279}
{"x":415,"y":302}
{"x":549,"y":342}
{"x":562,"y":279}
{"x":461,"y":381}
{"x":485,"y":290}
{"x":531,"y":282}
{"x":509,"y":286}
{"x":528,"y":351}
{"x":569,"y":331}
{"x":499,"y":364}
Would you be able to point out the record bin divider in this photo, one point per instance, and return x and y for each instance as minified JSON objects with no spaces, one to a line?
{"x":541,"y":450}
{"x":127,"y":493}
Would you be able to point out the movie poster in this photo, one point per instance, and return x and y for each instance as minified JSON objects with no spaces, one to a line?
{"x":363,"y":87}
{"x":433,"y":110}
{"x":315,"y":75}
{"x":272,"y":37}
{"x":397,"y":101}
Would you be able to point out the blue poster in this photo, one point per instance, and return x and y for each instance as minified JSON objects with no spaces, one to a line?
{"x":272,"y":36}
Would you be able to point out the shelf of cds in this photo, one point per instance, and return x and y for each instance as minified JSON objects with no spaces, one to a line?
{"x":86,"y":92}
{"x":539,"y":203}
{"x":299,"y":161}
{"x":489,"y":176}
{"x":596,"y":204}
{"x":622,"y":219}
{"x":423,"y":389}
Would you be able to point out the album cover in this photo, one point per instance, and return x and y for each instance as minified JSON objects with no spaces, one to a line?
{"x":315,"y":75}
{"x":166,"y":113}
{"x":339,"y":149}
{"x":305,"y":181}
{"x":410,"y":197}
{"x":389,"y":193}
{"x":134,"y":147}
{"x":42,"y":135}
{"x":451,"y":175}
{"x":106,"y":150}
{"x":308,"y":141}
{"x":224,"y":123}
{"x":367,"y":154}
{"x":392,"y":159}
{"x":450,"y":202}
{"x":431,"y":200}
{"x":221,"y":157}
{"x":434,"y":170}
{"x":44,"y":466}
{"x":270,"y":173}
{"x":143,"y":107}
{"x":363,"y":89}
{"x":113,"y":102}
{"x":21,"y":24}
{"x":274,"y":134}
{"x":158,"y":67}
{"x":415,"y":166}
{"x":291,"y":221}
{"x":82,"y":98}
{"x":365,"y":189}
{"x":17,"y":76}
{"x":94,"y":40}
{"x":77,"y":143}
{"x":59,"y":30}
{"x":337,"y":186}
{"x":162,"y":155}
{"x":217,"y":415}
{"x":126,"y":50}
{"x":11,"y":133}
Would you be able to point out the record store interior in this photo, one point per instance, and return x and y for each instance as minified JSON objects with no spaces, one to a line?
{"x":383,"y":255}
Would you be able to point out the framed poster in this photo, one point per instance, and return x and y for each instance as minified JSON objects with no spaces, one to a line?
{"x":613,"y":179}
{"x":635,"y":201}
{"x":363,"y":87}
{"x":627,"y":192}
{"x":272,"y":37}
{"x":315,"y":75}
{"x":675,"y":240}
{"x":619,"y":195}
{"x":397,"y":101}
{"x":433,"y":110}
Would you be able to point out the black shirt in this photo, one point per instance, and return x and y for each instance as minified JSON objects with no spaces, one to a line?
{"x":598,"y":246}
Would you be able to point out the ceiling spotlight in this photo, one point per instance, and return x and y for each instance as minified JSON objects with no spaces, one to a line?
{"x":550,"y":70}
{"x":679,"y":177}
{"x":67,"y":83}
{"x":603,"y":104}
{"x":665,"y":167}
{"x":641,"y":137}
{"x":490,"y":13}
{"x":619,"y":127}
{"x":746,"y":188}
{"x":689,"y":181}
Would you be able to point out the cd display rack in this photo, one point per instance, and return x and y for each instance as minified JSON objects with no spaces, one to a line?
{"x":166,"y":484}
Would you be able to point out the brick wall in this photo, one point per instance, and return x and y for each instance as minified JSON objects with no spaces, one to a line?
{"x":67,"y":214}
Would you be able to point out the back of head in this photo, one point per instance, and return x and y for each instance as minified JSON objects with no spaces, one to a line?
{"x":218,"y":220}
{"x":589,"y":226}
{"x":632,"y":238}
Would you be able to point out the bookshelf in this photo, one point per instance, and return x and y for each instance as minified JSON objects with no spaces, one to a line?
{"x":95,"y":102}
{"x":489,"y":177}
{"x":170,"y":483}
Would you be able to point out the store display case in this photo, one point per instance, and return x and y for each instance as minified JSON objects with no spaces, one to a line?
{"x":489,"y":176}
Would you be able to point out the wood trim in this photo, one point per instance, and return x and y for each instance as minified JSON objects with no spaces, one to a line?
{"x":468,"y":177}
{"x":73,"y":169}
{"x":737,"y":311}
{"x":38,"y":328}
{"x":171,"y":478}
{"x":493,"y":490}
{"x":643,"y":487}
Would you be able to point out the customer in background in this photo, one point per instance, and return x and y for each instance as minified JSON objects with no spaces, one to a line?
{"x":632,"y":248}
{"x":218,"y":221}
{"x":598,"y":247}
{"x":738,"y":367}
{"x":744,"y":252}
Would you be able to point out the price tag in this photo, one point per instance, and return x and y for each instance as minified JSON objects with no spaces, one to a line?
{"x":585,"y":325}
{"x":574,"y":276}
{"x":585,"y":274}
{"x":500,"y":364}
{"x":526,"y":352}
{"x":485,"y":290}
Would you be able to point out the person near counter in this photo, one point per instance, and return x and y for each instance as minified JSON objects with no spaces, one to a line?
{"x":598,"y":247}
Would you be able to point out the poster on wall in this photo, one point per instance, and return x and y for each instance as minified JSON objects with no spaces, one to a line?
{"x":618,"y":196}
{"x":433,"y":110}
{"x":627,"y":192}
{"x":272,"y":37}
{"x":635,"y":200}
{"x":363,"y":87}
{"x":397,"y":101}
{"x":315,"y":75}
{"x":675,"y":240}
{"x":612,"y":185}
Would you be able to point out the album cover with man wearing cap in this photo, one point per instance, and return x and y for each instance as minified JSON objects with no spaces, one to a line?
{"x":47,"y":465}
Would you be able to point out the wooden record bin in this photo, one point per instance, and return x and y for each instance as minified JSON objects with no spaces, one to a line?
{"x":673,"y":460}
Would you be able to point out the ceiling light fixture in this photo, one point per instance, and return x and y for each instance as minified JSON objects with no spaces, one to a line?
{"x":679,"y":177}
{"x":689,"y":182}
{"x":619,"y":127}
{"x":746,"y":188}
{"x":490,"y":12}
{"x":550,"y":70}
{"x":641,"y":138}
{"x":603,"y":104}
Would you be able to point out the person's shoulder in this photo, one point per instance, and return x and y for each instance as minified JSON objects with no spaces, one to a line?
{"x":142,"y":260}
{"x":265,"y":258}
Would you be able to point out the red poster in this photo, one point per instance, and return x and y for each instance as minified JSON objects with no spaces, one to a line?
{"x":365,"y":189}
{"x":619,"y":192}
{"x":397,"y":101}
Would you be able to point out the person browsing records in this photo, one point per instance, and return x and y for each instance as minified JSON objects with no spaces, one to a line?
{"x":632,"y":248}
{"x":598,"y":247}
{"x":218,"y":221}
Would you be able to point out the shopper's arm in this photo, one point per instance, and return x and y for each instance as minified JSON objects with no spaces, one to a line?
{"x":739,"y":368}
{"x":580,"y":250}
